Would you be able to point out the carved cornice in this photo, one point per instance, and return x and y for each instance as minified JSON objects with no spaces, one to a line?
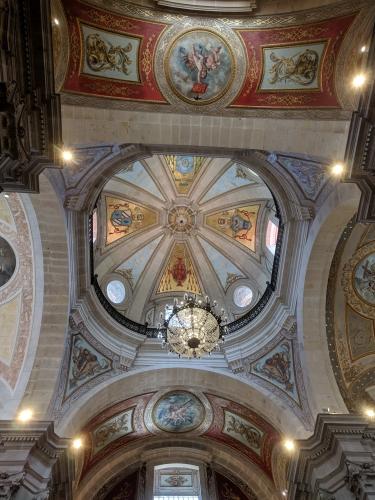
{"x":29,"y":108}
{"x":360,"y":149}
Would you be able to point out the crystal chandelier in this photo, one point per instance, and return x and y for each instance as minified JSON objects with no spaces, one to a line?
{"x":194,"y":328}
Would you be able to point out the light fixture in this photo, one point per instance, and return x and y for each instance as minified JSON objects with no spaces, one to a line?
{"x":25,"y":415}
{"x":77,"y":443}
{"x":370,"y":413}
{"x":6,"y":195}
{"x":289,"y":445}
{"x":284,"y":493}
{"x":359,"y":80}
{"x":56,"y":21}
{"x":337,"y":169}
{"x":194,"y":328}
{"x":67,"y":155}
{"x":363,"y":48}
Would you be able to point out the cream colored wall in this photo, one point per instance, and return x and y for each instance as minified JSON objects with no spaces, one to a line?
{"x":89,"y":125}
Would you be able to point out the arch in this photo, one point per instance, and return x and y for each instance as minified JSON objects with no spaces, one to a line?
{"x":167,"y":450}
{"x":55,"y":306}
{"x":150,"y":379}
{"x":325,"y":232}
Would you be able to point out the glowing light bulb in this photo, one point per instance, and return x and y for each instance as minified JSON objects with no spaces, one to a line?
{"x":77,"y":443}
{"x":359,"y":80}
{"x":25,"y":415}
{"x":337,"y":169}
{"x":56,"y":21}
{"x":67,"y":155}
{"x":289,"y":444}
{"x":363,"y":48}
{"x":369,"y":412}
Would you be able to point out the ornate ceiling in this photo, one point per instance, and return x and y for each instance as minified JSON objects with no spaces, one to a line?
{"x":169,"y":225}
{"x":173,"y":62}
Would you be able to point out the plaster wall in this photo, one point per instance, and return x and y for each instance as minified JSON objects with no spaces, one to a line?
{"x":91,"y":125}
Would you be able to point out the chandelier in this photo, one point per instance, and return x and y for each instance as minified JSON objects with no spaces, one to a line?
{"x":194,"y":328}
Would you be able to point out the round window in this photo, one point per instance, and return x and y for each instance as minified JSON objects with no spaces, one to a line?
{"x":116,"y":291}
{"x":242,"y":296}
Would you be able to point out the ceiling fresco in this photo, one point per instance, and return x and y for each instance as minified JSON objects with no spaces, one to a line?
{"x":170,"y":239}
{"x":189,"y":414}
{"x":190,"y":64}
{"x":179,"y":274}
{"x":351,"y":336}
{"x":125,"y":218}
{"x":237,"y":223}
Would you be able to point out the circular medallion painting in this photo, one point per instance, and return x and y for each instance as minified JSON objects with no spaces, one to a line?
{"x":178,"y":411}
{"x":199,"y":66}
{"x":364,"y":278}
{"x":7,"y":262}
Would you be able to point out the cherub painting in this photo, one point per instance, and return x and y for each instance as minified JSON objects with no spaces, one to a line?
{"x":200,"y":66}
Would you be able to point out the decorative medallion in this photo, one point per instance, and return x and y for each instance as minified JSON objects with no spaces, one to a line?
{"x":358,"y":280}
{"x":244,"y":431}
{"x":364,"y":279}
{"x":200,"y":66}
{"x":7,"y":262}
{"x":178,"y":411}
{"x":181,"y":219}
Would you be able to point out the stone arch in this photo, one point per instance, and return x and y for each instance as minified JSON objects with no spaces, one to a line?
{"x":212,"y":380}
{"x":156,"y":450}
{"x":325,"y":232}
{"x":55,"y":306}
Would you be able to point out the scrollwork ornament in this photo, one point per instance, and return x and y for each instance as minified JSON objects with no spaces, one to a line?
{"x":360,"y":262}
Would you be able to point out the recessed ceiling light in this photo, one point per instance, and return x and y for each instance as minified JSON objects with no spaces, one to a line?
{"x":25,"y":415}
{"x":359,"y":80}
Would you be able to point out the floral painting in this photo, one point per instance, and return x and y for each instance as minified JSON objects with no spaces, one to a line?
{"x":364,"y":279}
{"x":293,"y":67}
{"x":178,"y":411}
{"x":200,"y":66}
{"x":110,"y":55}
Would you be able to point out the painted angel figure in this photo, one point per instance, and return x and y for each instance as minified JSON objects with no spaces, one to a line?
{"x":200,"y":60}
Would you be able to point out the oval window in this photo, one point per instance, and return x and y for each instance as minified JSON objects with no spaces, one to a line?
{"x":116,"y":291}
{"x":242,"y":296}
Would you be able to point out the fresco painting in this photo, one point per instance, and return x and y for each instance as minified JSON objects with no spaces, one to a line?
{"x":86,"y":363}
{"x":234,"y":177}
{"x":200,"y":66}
{"x":137,"y":174}
{"x":364,"y":279}
{"x":237,"y":223}
{"x":244,"y":431}
{"x":179,"y":274}
{"x":292,"y":67}
{"x":7,"y":262}
{"x":114,"y":428}
{"x":225,"y":270}
{"x":110,"y":55}
{"x":125,"y":218}
{"x":360,"y":334}
{"x":133,"y":267}
{"x":310,"y":175}
{"x":178,"y":411}
{"x":184,"y":170}
{"x":277,"y":367}
{"x":176,"y":480}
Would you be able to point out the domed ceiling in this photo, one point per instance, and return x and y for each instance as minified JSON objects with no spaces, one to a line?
{"x":168,"y":225}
